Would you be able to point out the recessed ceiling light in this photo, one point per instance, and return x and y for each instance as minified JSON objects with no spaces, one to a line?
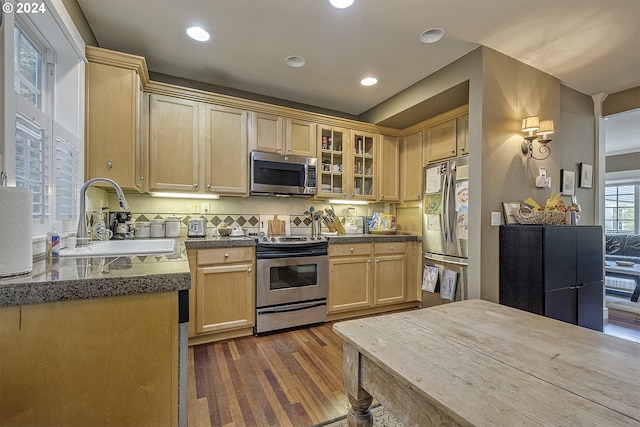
{"x":341,"y":4}
{"x":295,"y":61}
{"x":432,"y":35}
{"x":368,"y":81}
{"x":198,"y":34}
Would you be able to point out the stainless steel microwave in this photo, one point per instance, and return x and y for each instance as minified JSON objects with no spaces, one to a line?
{"x":282,"y":174}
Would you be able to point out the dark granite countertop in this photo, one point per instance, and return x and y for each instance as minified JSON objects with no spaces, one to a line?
{"x":67,"y":278}
{"x":230,"y":242}
{"x":72,"y":278}
{"x":373,"y":238}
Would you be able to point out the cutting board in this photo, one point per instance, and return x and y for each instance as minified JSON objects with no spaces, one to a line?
{"x":275,"y":225}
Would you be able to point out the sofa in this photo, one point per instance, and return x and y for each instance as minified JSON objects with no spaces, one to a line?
{"x":622,"y":247}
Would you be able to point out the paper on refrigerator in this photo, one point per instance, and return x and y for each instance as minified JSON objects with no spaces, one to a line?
{"x":433,"y":180}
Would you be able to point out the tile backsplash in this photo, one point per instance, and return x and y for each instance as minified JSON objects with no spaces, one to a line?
{"x":235,"y":212}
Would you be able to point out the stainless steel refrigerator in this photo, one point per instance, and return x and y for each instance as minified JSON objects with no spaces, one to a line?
{"x":445,"y":222}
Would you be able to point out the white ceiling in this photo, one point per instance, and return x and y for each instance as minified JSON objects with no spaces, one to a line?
{"x":592,"y":46}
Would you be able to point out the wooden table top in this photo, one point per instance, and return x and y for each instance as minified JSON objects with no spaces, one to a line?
{"x":484,"y":363}
{"x":612,"y":267}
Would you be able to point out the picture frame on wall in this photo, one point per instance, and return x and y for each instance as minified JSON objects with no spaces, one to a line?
{"x":508,"y":210}
{"x":586,"y":175}
{"x":568,"y":180}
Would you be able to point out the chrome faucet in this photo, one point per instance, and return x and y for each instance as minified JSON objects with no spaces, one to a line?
{"x":81,"y":235}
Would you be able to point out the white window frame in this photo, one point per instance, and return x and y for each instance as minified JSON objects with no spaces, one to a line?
{"x":54,"y":33}
{"x":636,"y":207}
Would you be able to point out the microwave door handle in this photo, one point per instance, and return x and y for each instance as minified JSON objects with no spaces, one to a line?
{"x":305,"y":184}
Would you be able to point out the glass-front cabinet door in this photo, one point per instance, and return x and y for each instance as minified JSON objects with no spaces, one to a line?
{"x":363,"y":152}
{"x":332,"y":145}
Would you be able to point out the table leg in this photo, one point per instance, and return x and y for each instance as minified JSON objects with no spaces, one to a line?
{"x":360,"y":400}
{"x":636,"y":291}
{"x":359,"y":415}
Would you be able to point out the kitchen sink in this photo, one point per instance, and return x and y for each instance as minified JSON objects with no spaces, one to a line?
{"x":122,"y":247}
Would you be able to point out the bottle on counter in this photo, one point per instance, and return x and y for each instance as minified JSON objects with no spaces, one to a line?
{"x":53,"y":244}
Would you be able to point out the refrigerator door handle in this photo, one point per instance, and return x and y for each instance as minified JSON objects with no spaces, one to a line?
{"x":444,"y":223}
{"x":447,"y":214}
{"x":445,"y":259}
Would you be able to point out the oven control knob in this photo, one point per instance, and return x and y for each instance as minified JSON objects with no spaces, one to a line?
{"x":273,"y":239}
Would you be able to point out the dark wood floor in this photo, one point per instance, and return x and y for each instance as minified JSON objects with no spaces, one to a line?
{"x":291,"y":378}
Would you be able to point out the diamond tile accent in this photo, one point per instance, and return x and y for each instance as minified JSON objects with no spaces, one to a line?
{"x":241,"y":221}
{"x":297,"y":221}
{"x":254,"y":221}
{"x":228,"y":220}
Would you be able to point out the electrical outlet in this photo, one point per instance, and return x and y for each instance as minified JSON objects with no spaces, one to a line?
{"x":496,"y":218}
{"x":205,"y":207}
{"x":195,"y":207}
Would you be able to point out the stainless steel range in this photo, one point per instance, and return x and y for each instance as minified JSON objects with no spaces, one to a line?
{"x":292,"y":282}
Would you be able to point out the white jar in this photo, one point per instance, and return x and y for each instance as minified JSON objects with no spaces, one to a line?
{"x":157,"y":228}
{"x":143,"y":229}
{"x":172,"y":228}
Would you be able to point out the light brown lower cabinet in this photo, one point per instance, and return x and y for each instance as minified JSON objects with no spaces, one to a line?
{"x":368,"y":278}
{"x":105,"y":361}
{"x":222,"y":297}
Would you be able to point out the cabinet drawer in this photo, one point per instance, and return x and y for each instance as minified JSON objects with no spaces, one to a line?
{"x":350,"y":249}
{"x":390,"y":248}
{"x":224,"y":255}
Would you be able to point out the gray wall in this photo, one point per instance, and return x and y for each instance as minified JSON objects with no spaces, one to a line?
{"x":502,"y":91}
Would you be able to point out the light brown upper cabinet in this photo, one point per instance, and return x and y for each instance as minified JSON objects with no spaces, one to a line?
{"x":411,"y":167}
{"x":227,"y":159}
{"x":174,"y":151}
{"x":197,"y":147}
{"x":362,"y":169}
{"x":333,"y":144}
{"x":282,"y":135}
{"x":114,"y":136}
{"x":389,"y":175}
{"x":447,"y":139}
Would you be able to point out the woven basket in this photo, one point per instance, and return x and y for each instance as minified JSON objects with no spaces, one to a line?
{"x":540,"y":218}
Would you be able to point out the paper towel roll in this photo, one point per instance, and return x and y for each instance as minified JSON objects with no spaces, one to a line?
{"x":16,"y":212}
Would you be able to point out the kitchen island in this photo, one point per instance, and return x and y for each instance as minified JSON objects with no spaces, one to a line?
{"x":88,"y":341}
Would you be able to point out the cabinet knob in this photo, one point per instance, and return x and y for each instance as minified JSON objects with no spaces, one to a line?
{"x":377,"y":261}
{"x":461,"y":148}
{"x":289,"y":150}
{"x":369,"y":261}
{"x":109,"y":165}
{"x":249,"y":270}
{"x":391,"y":248}
{"x":226,"y":255}
{"x":141,"y":178}
{"x":382,"y":197}
{"x":195,"y":186}
{"x":453,"y":151}
{"x":209,"y":187}
{"x":351,"y":249}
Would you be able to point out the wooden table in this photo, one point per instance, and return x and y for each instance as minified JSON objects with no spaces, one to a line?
{"x":479,"y":363}
{"x":614,"y":270}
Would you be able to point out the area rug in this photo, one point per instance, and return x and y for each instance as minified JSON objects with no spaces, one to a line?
{"x":381,"y":418}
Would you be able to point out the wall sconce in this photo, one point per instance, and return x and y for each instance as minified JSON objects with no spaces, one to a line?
{"x":543,"y":128}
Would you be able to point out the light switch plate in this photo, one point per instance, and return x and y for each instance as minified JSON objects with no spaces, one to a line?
{"x":496,"y":218}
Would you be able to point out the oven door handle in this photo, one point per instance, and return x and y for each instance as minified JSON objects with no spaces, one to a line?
{"x":286,"y":310}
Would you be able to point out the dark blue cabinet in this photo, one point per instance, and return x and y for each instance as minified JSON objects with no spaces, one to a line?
{"x":553,"y":270}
